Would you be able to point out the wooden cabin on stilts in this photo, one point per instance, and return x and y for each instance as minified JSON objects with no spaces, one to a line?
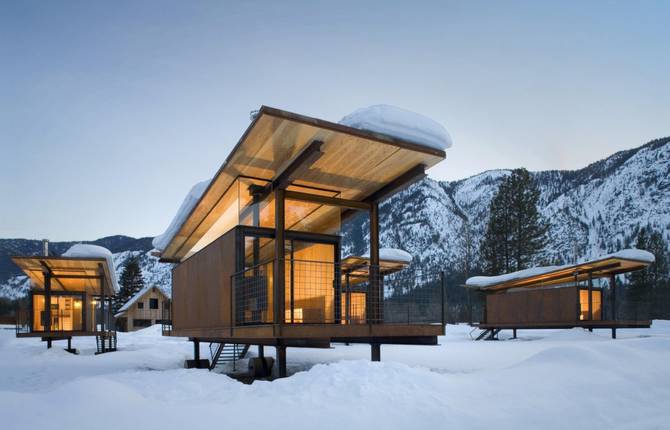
{"x":70,"y":296}
{"x":562,"y":296}
{"x":258,"y":249}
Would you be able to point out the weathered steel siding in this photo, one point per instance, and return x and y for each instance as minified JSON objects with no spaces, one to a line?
{"x":201,"y":286}
{"x":534,"y":306}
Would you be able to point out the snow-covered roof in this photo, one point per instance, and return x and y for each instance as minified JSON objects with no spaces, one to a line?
{"x":161,"y":241}
{"x":486,"y":281}
{"x":400,"y":123}
{"x":631,"y":254}
{"x":637,"y":255}
{"x":82,"y":250}
{"x":135,"y":298}
{"x":392,"y":254}
{"x":276,"y":140}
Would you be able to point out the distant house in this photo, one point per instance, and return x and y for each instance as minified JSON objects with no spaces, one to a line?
{"x":142,"y":310}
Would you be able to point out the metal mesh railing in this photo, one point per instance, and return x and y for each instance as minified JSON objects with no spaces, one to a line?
{"x":318,"y":292}
{"x":22,"y":318}
{"x":414,"y":297}
{"x":166,"y":319}
{"x":252,"y":295}
{"x":630,"y":303}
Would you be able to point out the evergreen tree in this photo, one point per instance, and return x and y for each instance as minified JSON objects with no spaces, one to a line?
{"x":640,"y":278}
{"x":653,"y":282}
{"x":131,"y":281}
{"x":516,"y":232}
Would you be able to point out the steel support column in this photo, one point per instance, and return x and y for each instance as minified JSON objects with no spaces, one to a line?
{"x":280,"y":258}
{"x":374,"y":299}
{"x":196,"y":353}
{"x":47,"y":305}
{"x":102,"y":308}
{"x":281,"y":361}
{"x":375,"y":352}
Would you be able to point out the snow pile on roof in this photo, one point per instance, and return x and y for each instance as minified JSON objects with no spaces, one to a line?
{"x":485,"y":281}
{"x":392,"y":254}
{"x":135,"y":298}
{"x":82,"y":250}
{"x":161,"y":242}
{"x":400,"y":123}
{"x":631,"y":254}
{"x":625,"y":254}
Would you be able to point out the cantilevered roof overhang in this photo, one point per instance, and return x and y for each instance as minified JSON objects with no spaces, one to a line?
{"x":284,"y":147}
{"x":357,"y":269}
{"x":603,"y":268}
{"x":73,"y":274}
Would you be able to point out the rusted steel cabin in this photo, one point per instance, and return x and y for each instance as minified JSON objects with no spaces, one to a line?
{"x":258,"y":258}
{"x":79,"y":291}
{"x":559,"y":297}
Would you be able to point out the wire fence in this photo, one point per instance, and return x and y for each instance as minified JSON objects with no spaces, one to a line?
{"x":317,"y":292}
{"x":624,"y":303}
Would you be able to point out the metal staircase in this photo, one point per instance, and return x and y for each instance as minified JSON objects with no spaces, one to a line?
{"x":487,"y":334}
{"x":226,"y":353}
{"x":105,"y":343}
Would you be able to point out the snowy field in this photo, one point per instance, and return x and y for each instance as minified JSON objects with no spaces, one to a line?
{"x":563,"y":379}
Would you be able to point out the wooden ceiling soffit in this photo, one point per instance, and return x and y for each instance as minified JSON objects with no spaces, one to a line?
{"x":253,"y":156}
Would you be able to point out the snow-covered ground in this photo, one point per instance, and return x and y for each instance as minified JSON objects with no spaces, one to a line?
{"x":543,"y":380}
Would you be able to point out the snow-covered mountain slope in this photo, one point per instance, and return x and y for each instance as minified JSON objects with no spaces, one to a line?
{"x":153,"y":272}
{"x":591,"y":211}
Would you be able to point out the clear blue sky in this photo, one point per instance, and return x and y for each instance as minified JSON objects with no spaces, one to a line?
{"x":110,"y":111}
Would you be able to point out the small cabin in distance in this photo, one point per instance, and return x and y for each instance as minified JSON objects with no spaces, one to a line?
{"x":560,"y":296}
{"x":146,"y":308}
{"x":258,"y":249}
{"x":70,"y":296}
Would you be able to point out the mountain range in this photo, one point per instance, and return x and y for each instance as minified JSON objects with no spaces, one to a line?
{"x":590,"y":211}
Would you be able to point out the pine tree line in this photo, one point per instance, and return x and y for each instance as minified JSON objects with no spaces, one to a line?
{"x":650,"y":288}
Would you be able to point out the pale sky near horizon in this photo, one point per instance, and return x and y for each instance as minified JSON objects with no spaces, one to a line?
{"x":110,"y":111}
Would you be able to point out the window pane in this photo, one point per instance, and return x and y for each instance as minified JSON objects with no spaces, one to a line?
{"x":310,"y":275}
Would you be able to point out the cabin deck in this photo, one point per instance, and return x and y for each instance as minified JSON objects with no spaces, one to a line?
{"x":567,"y":324}
{"x":319,"y":334}
{"x":63,"y":334}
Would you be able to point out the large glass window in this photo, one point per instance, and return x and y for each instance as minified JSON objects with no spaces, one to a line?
{"x":596,"y":300}
{"x":310,"y":282}
{"x":353,"y":308}
{"x":66,"y":313}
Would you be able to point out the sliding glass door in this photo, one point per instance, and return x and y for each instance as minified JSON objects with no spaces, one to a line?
{"x":67,"y":312}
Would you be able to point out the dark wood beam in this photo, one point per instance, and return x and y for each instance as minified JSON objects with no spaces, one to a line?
{"x":400,"y":183}
{"x":300,"y":163}
{"x":76,"y":276}
{"x":47,"y":269}
{"x":325,"y":200}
